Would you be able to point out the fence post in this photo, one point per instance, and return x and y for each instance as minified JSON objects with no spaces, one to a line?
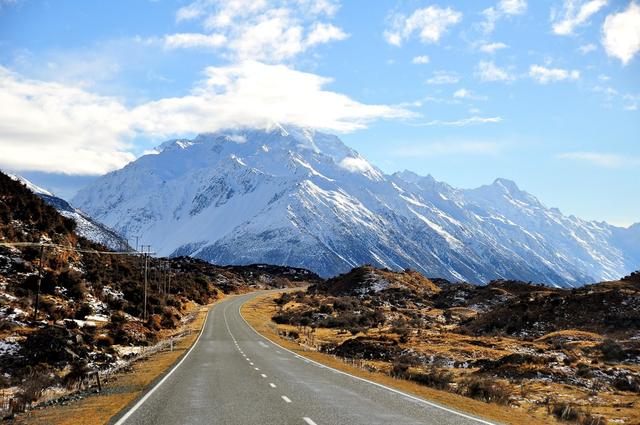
{"x":171,"y":343}
{"x":98,"y":380}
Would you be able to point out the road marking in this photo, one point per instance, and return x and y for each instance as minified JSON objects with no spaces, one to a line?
{"x":309,"y":421}
{"x":126,"y":416}
{"x":393,"y":390}
{"x":256,"y":368}
{"x":263,"y":375}
{"x":285,"y":398}
{"x":263,"y":344}
{"x":272,"y":385}
{"x":251,"y":363}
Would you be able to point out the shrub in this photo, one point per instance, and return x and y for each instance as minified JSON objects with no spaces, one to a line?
{"x":484,"y":389}
{"x":104,"y":341}
{"x":83,"y":311}
{"x":34,"y":384}
{"x":399,"y":369}
{"x":435,"y":378}
{"x":627,"y":383}
{"x":572,"y":413}
{"x":611,"y":350}
{"x":79,"y":371}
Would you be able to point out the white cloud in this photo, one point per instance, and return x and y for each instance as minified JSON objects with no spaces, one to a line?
{"x":574,"y":13}
{"x":489,"y":71}
{"x":464,"y":121}
{"x":54,"y":127}
{"x":420,"y":59}
{"x":549,"y":75}
{"x":621,"y":33}
{"x":57,"y":128}
{"x":255,"y":94}
{"x":587,"y":48}
{"x":430,"y":23}
{"x":631,"y":102}
{"x":607,"y":160}
{"x":501,"y":9}
{"x":466,"y":94}
{"x":270,"y":31}
{"x":492,"y":47}
{"x":443,"y":77}
{"x":186,"y":40}
{"x":324,"y":33}
{"x":513,"y":7}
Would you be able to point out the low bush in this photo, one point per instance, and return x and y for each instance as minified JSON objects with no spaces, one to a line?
{"x":571,"y":413}
{"x":485,"y":389}
{"x":611,"y":351}
{"x":434,"y":378}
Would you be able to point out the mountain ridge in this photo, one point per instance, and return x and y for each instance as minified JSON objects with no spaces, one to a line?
{"x":300,"y":197}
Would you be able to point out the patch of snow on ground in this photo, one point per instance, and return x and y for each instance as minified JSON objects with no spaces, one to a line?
{"x":8,"y":348}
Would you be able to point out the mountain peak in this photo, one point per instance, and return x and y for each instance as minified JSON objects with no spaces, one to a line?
{"x":508,"y":185}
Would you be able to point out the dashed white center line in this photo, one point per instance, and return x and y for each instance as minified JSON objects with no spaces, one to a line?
{"x":256,"y":368}
{"x":251,"y":363}
{"x":309,"y":421}
{"x":272,"y":385}
{"x":263,"y":375}
{"x":286,"y":399}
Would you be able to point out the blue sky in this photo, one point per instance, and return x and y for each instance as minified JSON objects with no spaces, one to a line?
{"x":545,"y":93}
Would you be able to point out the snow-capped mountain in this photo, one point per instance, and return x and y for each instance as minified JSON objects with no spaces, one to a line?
{"x":86,"y":226}
{"x":299,"y":197}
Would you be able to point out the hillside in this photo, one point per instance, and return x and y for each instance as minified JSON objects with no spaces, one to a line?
{"x":86,"y":226}
{"x":299,"y":197}
{"x":569,"y":353}
{"x":91,"y":313}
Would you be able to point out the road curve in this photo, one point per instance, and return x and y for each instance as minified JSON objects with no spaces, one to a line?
{"x":232,"y":375}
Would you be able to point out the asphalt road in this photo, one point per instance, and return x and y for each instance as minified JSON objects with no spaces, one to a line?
{"x":232,"y":375}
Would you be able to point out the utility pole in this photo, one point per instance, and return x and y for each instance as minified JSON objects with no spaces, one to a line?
{"x":136,"y":237}
{"x":35,"y":313}
{"x":146,"y":264}
{"x":169,"y":280}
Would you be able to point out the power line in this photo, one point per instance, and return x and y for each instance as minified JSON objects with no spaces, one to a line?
{"x":69,"y":248}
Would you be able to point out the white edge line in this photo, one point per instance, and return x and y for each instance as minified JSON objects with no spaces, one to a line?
{"x":446,"y":409}
{"x":309,"y":421}
{"x":155,"y":387}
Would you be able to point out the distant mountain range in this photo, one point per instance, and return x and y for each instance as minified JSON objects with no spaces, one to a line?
{"x":298,"y":197}
{"x":86,"y":226}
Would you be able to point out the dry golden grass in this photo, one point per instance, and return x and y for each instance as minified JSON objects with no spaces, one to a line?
{"x":119,"y":390}
{"x":258,"y":313}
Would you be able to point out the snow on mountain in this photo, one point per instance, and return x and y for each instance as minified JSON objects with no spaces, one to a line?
{"x":86,"y":226}
{"x":299,"y":197}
